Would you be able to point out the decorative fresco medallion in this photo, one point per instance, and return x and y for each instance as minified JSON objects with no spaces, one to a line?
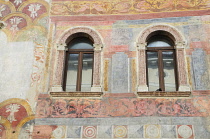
{"x":34,"y":10}
{"x":17,"y":3}
{"x":16,"y":23}
{"x":89,"y":131}
{"x":185,"y":131}
{"x":152,"y":131}
{"x":4,"y":10}
{"x":120,"y":132}
{"x":59,"y":132}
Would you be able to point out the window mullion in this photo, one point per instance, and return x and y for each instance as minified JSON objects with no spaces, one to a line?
{"x":92,"y":68}
{"x":161,"y":72}
{"x":65,"y":70}
{"x":175,"y":69}
{"x":79,"y":72}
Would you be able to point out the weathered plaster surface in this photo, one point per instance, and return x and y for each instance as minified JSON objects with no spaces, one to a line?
{"x":116,"y":7}
{"x":28,"y":43}
{"x":16,"y":67}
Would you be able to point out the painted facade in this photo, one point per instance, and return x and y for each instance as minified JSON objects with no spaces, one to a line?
{"x":34,"y":35}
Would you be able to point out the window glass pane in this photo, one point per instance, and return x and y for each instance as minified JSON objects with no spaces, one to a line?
{"x":87,"y":72}
{"x":159,"y":44}
{"x":81,"y":43}
{"x":153,"y":75}
{"x":71,"y":79}
{"x":159,"y":41}
{"x":168,"y":68}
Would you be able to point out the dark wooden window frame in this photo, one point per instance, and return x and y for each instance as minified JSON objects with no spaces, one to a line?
{"x":159,"y":51}
{"x":80,"y":66}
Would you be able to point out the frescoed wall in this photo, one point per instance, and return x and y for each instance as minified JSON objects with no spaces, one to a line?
{"x":24,"y":44}
{"x":118,"y":7}
{"x":34,"y":35}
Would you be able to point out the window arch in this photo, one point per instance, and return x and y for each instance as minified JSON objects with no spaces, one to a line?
{"x":167,"y":35}
{"x":66,"y":43}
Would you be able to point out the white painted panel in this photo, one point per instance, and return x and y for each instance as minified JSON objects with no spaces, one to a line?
{"x":16,"y":65}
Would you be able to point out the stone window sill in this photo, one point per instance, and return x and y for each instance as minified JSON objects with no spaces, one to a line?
{"x":76,"y":94}
{"x":164,"y":94}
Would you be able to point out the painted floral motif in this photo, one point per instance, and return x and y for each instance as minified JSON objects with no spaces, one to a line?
{"x":2,"y":8}
{"x":35,"y":77}
{"x":101,"y":7}
{"x":155,"y":3}
{"x":39,"y":55}
{"x":117,"y":107}
{"x":39,"y":60}
{"x":33,"y":8}
{"x":15,"y":21}
{"x":196,"y":2}
{"x":12,"y":108}
{"x":81,"y":7}
{"x":126,"y":6}
{"x":17,"y":2}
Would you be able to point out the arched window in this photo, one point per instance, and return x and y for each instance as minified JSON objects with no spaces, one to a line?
{"x":78,"y":59}
{"x":162,"y":66}
{"x":79,"y":65}
{"x":161,"y":63}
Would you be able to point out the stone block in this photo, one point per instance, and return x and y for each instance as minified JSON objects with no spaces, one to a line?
{"x":168,"y":131}
{"x":74,"y":131}
{"x":121,"y":36}
{"x":135,"y":131}
{"x":182,"y":120}
{"x":201,"y":132}
{"x":185,"y":131}
{"x":59,"y":132}
{"x":89,"y":132}
{"x":200,"y":69}
{"x":119,"y":78}
{"x":105,"y":132}
{"x":120,"y":131}
{"x":152,"y":131}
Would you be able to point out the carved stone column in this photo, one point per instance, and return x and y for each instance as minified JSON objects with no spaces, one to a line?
{"x":59,"y":68}
{"x":142,"y":77}
{"x":181,"y":67}
{"x":96,"y":87}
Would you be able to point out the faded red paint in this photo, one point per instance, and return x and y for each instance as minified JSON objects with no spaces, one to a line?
{"x":19,"y":115}
{"x":39,"y":12}
{"x":124,"y":106}
{"x":43,"y":131}
{"x":130,"y":17}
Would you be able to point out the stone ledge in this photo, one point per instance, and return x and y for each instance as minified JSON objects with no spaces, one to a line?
{"x":164,"y":94}
{"x":76,"y":94}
